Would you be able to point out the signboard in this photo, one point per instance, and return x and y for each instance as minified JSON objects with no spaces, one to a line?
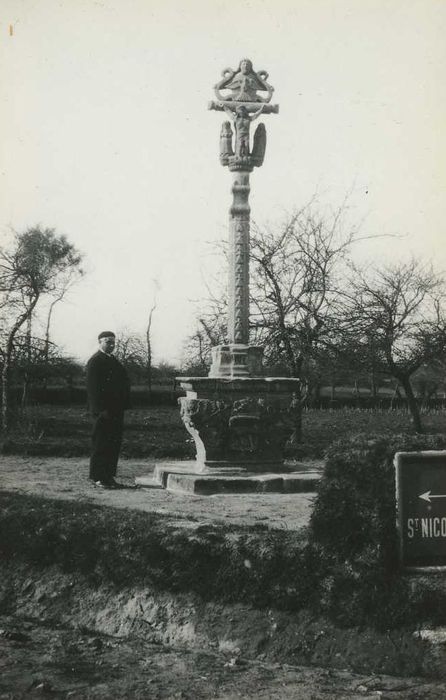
{"x":421,"y":508}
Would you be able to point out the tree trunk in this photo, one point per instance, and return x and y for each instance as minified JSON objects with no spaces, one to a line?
{"x":396,"y":394}
{"x":7,"y":363}
{"x":149,"y":364}
{"x":25,"y":390}
{"x":6,"y":374}
{"x":5,"y":393}
{"x":373,"y":385}
{"x":149,"y":348}
{"x":296,"y":435}
{"x":46,"y":350}
{"x":412,"y":403}
{"x":316,"y":394}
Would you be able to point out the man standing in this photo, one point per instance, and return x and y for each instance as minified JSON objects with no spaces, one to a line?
{"x":108,"y":390}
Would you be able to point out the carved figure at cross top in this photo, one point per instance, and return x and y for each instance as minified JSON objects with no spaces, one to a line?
{"x":244,"y":84}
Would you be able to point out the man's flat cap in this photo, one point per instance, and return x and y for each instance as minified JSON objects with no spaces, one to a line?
{"x":106,"y":334}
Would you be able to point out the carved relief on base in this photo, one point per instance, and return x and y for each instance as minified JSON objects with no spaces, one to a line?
{"x":250,"y":432}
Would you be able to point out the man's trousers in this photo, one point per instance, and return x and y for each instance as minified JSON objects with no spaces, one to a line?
{"x":106,"y":445}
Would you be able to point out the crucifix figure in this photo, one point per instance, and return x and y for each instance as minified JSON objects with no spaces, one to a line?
{"x":242,"y":122}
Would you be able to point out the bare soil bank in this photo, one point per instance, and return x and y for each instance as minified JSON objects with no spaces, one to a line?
{"x":186,"y":623}
{"x":60,"y":638}
{"x":37,"y":660}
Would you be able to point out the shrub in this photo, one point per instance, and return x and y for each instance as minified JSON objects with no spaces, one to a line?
{"x":353,"y":530}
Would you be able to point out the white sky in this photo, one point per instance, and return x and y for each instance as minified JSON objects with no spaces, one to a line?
{"x":105,"y":136}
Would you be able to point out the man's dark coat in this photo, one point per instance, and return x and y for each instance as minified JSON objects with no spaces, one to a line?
{"x":108,"y":389}
{"x":108,"y":385}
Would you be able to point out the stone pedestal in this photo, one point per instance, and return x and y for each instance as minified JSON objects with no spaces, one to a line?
{"x":240,"y":422}
{"x":236,"y":360}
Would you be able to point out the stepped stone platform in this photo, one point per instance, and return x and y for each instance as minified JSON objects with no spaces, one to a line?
{"x":180,"y":477}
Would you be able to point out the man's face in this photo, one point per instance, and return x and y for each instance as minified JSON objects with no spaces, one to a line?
{"x":107,"y":344}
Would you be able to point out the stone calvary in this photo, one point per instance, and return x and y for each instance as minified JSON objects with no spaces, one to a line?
{"x":239,"y":419}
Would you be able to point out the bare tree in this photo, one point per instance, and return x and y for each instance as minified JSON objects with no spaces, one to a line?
{"x":297,"y":282}
{"x":211,"y":322}
{"x":210,"y":331}
{"x":149,"y":336}
{"x":196,"y":354}
{"x":65,"y":282}
{"x":32,"y":360}
{"x":30,"y":268}
{"x":400,"y":307}
{"x":131,"y":352}
{"x":130,"y":348}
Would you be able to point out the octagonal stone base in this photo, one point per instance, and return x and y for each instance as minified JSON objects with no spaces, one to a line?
{"x":240,"y":422}
{"x":181,"y":477}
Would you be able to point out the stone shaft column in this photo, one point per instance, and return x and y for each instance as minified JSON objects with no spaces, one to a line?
{"x":238,"y":287}
{"x":237,"y":358}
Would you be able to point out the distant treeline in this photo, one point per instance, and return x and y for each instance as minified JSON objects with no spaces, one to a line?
{"x":374,"y":402}
{"x":168,"y":393}
{"x":160,"y":395}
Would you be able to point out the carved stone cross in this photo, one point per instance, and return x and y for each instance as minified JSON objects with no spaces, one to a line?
{"x":238,"y":96}
{"x":240,"y":420}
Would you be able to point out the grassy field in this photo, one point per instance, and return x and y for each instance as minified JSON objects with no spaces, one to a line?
{"x":65,"y":431}
{"x":159,"y":432}
{"x":323,"y":427}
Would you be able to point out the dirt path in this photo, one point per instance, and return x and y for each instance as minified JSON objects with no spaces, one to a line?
{"x":39,"y":661}
{"x":67,"y":478}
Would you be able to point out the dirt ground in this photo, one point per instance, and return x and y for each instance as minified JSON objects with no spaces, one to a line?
{"x":42,"y":659}
{"x":67,"y":478}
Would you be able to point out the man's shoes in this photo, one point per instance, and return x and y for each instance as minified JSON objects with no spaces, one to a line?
{"x":110,"y":485}
{"x":104,"y":485}
{"x":116,"y":485}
